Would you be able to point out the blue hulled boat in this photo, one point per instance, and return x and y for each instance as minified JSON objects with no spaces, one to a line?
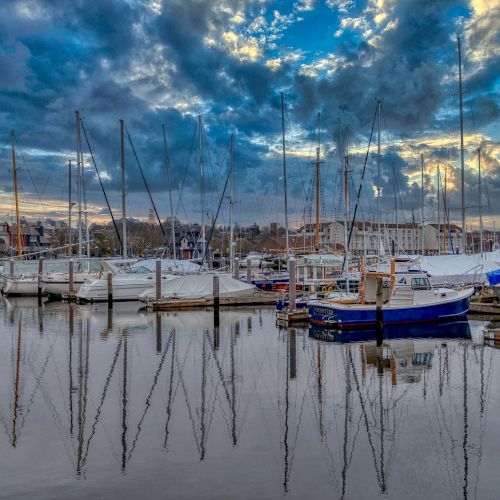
{"x":407,"y":297}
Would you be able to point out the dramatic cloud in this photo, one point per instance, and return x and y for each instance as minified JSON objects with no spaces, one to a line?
{"x":154,"y":62}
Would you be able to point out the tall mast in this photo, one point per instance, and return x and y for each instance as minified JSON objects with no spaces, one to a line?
{"x":318,"y":153}
{"x":395,"y":208}
{"x":202,"y":184}
{"x":231,"y":204}
{"x":462,"y":161}
{"x":378,"y":176}
{"x":439,"y":208}
{"x":124,"y":207}
{"x":423,"y":202}
{"x":16,"y":197}
{"x":284,"y":173}
{"x":79,"y":169}
{"x":346,"y":208}
{"x":70,"y":206}
{"x":170,"y":183}
{"x":480,"y":200}
{"x":445,"y":203}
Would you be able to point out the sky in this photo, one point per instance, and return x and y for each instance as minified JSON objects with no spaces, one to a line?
{"x":166,"y":62}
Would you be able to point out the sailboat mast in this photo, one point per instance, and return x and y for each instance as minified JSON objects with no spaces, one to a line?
{"x":318,"y":153}
{"x":170,"y":183}
{"x":439,"y":207}
{"x":79,"y":168}
{"x":124,"y":206}
{"x":202,"y":184}
{"x":378,"y":175}
{"x":480,"y":200}
{"x":423,"y":202}
{"x":445,"y":208}
{"x":16,"y":197}
{"x":284,"y":173}
{"x":462,"y":161}
{"x":70,"y":206}
{"x":231,"y":204}
{"x":346,"y":208}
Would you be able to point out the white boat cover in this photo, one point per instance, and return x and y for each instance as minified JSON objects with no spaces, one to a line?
{"x":201,"y":286}
{"x":170,"y":265}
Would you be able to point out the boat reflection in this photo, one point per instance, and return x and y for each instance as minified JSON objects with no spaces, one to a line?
{"x":445,"y":330}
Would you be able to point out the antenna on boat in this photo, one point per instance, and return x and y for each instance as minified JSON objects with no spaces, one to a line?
{"x":462,"y":161}
{"x":169,"y":174}
{"x":284,"y":173}
{"x":124,"y":205}
{"x":16,"y":197}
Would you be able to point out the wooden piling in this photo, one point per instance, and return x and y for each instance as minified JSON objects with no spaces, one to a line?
{"x":292,"y":290}
{"x":11,"y":267}
{"x":40,"y":273}
{"x":216,"y":297}
{"x":109,"y":278}
{"x":71,"y":279}
{"x":158,"y":279}
{"x":249,"y":271}
{"x":379,"y":312}
{"x":236,"y":270}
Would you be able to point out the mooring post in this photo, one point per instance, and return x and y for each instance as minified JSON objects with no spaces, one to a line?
{"x":236,"y":268}
{"x":11,"y":267}
{"x":222,"y":263}
{"x":40,"y":272}
{"x":71,"y":279}
{"x":379,"y":312}
{"x":292,"y":291}
{"x":158,"y":279}
{"x":249,"y":271}
{"x":216,"y":299}
{"x":109,"y":278}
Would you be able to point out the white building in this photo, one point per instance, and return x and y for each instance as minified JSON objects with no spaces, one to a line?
{"x":392,"y":238}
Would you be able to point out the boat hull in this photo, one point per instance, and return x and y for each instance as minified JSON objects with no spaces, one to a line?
{"x":342,"y":316}
{"x":21,"y":286}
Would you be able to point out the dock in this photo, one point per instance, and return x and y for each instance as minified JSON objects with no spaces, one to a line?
{"x":487,"y":309}
{"x":258,"y":299}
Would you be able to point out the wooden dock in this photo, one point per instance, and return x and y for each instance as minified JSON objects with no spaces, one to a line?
{"x":485,"y":309}
{"x":258,"y":299}
{"x":296,"y":316}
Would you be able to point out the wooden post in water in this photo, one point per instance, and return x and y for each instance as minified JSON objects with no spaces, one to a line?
{"x":379,"y":312}
{"x":158,"y":279}
{"x":249,"y":270}
{"x":236,"y":268}
{"x":40,"y":272}
{"x":292,"y":291}
{"x":109,"y":278}
{"x":11,"y":267}
{"x":71,"y":279}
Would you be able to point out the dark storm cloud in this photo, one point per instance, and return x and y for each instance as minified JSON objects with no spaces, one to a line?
{"x":119,"y":59}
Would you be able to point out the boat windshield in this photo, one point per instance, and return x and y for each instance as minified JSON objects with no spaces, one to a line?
{"x":138,"y":270}
{"x":420,"y":284}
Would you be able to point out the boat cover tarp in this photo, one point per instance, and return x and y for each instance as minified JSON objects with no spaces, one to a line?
{"x":201,"y":286}
{"x":170,"y":265}
{"x":493,"y":277}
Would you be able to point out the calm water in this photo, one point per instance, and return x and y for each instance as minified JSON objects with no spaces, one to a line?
{"x":135,"y":405}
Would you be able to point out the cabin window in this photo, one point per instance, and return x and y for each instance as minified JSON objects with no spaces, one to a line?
{"x":420,"y":284}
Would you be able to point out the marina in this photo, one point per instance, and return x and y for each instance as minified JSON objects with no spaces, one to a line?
{"x":116,"y":402}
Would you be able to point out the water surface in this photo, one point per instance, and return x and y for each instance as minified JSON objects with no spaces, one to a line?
{"x":126,"y":404}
